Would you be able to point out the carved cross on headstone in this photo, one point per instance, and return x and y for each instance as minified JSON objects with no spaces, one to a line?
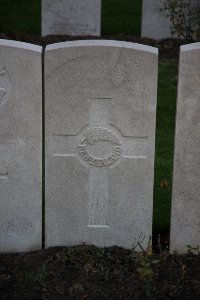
{"x":101,"y":146}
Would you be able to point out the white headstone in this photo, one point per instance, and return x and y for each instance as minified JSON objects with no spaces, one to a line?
{"x":20,"y":146}
{"x":71,"y":17}
{"x":185,"y":217}
{"x":155,"y":23}
{"x":100,"y":131}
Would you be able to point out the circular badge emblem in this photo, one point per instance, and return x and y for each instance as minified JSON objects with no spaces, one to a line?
{"x":99,"y":147}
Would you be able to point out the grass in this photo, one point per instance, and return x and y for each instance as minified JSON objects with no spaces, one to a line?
{"x":167,"y":85}
{"x":120,"y":16}
{"x":36,"y":276}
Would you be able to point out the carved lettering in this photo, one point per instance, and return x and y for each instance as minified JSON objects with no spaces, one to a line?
{"x":109,"y":74}
{"x":14,"y":227}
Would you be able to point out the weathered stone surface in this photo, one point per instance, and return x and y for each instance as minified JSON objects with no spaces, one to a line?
{"x":20,"y":146}
{"x":71,"y":17}
{"x":185,"y":217}
{"x":155,"y":24}
{"x":100,"y":130}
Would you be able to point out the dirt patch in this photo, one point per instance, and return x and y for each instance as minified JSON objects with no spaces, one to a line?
{"x":87,"y":272}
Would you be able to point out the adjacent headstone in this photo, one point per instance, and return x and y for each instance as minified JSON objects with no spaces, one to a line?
{"x":185,"y":216}
{"x":20,"y":146}
{"x":71,"y":17}
{"x":155,"y":23}
{"x":100,"y":132}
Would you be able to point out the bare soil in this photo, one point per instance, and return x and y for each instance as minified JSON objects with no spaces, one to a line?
{"x":87,"y":272}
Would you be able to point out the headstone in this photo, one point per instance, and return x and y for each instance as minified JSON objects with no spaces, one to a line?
{"x":71,"y":17}
{"x":155,"y":23}
{"x":185,"y":216}
{"x":20,"y":146}
{"x":100,"y":131}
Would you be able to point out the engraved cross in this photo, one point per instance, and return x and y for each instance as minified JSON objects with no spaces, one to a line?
{"x":100,"y":133}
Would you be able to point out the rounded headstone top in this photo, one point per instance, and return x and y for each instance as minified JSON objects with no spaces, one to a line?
{"x":104,"y":43}
{"x":190,"y":47}
{"x":21,"y":45}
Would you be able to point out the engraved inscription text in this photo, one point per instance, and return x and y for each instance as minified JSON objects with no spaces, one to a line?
{"x":13,"y":226}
